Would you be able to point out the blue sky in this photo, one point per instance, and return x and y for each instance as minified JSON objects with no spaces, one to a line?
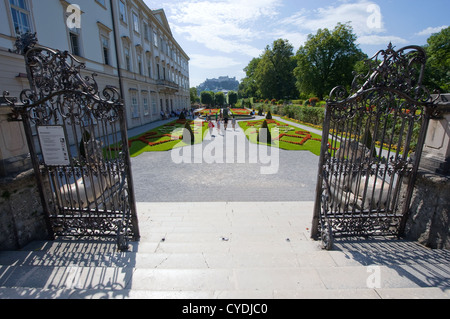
{"x":222,"y":36}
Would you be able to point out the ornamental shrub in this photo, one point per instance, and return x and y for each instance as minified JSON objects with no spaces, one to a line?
{"x":269,"y":115}
{"x":264,"y":134}
{"x":313,"y":101}
{"x":188,"y":134}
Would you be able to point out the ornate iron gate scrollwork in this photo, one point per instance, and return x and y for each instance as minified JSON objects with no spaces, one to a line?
{"x":78,"y":140}
{"x":372,"y":144}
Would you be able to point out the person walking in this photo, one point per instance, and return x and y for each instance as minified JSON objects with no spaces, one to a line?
{"x":211,"y":126}
{"x":218,"y":125}
{"x":225,"y":123}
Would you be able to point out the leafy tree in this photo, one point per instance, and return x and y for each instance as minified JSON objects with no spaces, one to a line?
{"x":232,"y":97}
{"x":219,"y":99}
{"x":437,"y":71}
{"x":274,"y":73}
{"x":207,"y":98}
{"x":248,"y":87}
{"x":327,"y":60}
{"x":193,"y":94}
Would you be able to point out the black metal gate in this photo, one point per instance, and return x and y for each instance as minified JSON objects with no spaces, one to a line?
{"x":77,"y":137}
{"x":372,"y":144}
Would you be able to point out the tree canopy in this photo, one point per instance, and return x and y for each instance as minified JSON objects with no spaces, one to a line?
{"x":274,"y":72}
{"x":248,"y":86}
{"x":207,"y":97}
{"x":327,"y":60}
{"x":437,"y":72}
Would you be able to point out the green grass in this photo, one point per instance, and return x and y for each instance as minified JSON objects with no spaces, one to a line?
{"x":311,"y":142}
{"x":164,"y":138}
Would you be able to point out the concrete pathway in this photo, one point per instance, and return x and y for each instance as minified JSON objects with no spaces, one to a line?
{"x":215,"y":227}
{"x":225,"y":167}
{"x":243,"y":250}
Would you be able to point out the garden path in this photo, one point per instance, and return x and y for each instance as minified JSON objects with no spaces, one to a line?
{"x":210,"y":176}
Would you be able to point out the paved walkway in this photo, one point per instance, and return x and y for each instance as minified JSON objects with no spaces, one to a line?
{"x":225,"y":168}
{"x":216,"y":230}
{"x":243,"y":250}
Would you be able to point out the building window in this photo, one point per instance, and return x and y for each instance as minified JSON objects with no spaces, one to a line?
{"x":105,"y":48}
{"x":155,"y":39}
{"x":135,"y":22}
{"x":146,"y":32}
{"x":134,"y":106}
{"x":122,"y":12}
{"x":21,"y":16}
{"x":139,"y":58}
{"x":75,"y":43}
{"x":154,"y":106}
{"x":145,"y":104}
{"x":149,"y":67}
{"x":159,"y":72}
{"x":127,"y":59}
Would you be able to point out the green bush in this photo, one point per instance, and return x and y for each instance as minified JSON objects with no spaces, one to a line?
{"x":307,"y":114}
{"x":264,"y":136}
{"x":188,"y":134}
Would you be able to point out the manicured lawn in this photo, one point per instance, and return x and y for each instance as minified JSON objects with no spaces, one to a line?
{"x":165,"y":138}
{"x":288,"y":137}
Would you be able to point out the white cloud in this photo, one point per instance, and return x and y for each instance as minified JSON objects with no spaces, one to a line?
{"x":381,"y":40}
{"x":430,"y":30}
{"x":224,"y":25}
{"x":365,"y":17}
{"x":211,"y":62}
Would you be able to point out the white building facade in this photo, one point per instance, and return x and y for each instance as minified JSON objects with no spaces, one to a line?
{"x":124,"y":42}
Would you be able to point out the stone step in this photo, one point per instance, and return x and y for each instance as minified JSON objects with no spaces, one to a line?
{"x":128,"y":281}
{"x":394,"y":293}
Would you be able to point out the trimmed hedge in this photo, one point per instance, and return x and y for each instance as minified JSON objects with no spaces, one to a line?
{"x":307,"y":114}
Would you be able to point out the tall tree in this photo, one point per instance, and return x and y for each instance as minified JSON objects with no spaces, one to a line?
{"x":274,"y":73}
{"x":219,"y":99}
{"x":232,"y":97}
{"x":207,"y":97}
{"x":437,"y":72}
{"x":327,"y":60}
{"x":248,"y":87}
{"x":193,"y":95}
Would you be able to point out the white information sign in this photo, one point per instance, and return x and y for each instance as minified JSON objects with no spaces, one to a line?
{"x":54,"y":145}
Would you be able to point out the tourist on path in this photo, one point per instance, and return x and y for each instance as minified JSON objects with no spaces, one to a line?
{"x":218,"y":125}
{"x":211,"y":126}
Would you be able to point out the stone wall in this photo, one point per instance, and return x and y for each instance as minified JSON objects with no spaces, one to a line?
{"x":429,"y":221}
{"x":21,"y":215}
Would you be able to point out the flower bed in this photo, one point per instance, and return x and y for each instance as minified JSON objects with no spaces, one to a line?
{"x":289,"y":138}
{"x":163,"y":138}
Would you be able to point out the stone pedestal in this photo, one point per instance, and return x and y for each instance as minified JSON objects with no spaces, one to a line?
{"x":429,"y":219}
{"x":436,"y":151}
{"x":14,"y":153}
{"x":22,"y":218}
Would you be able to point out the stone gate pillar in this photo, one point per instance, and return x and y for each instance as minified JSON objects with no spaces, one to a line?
{"x":429,"y":221}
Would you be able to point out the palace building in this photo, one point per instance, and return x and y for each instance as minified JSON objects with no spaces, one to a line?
{"x":125,"y":43}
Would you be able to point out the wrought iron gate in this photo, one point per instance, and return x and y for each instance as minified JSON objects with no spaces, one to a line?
{"x":372,"y":144}
{"x":78,"y":143}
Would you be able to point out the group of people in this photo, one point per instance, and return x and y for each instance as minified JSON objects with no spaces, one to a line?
{"x":218,"y":125}
{"x":188,"y":113}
